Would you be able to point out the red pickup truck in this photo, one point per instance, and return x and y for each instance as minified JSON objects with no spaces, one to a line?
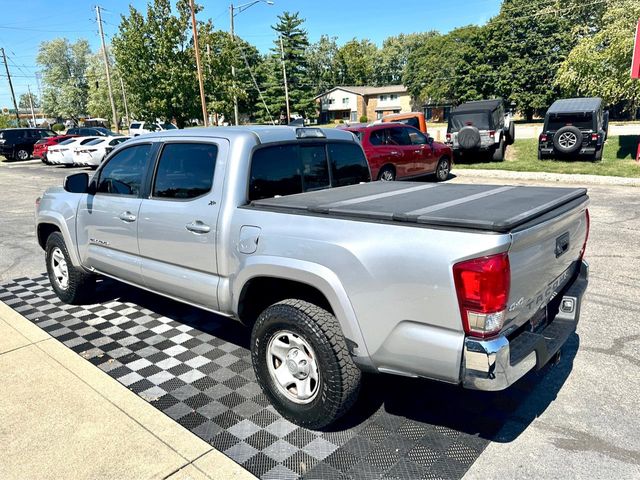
{"x":395,"y":151}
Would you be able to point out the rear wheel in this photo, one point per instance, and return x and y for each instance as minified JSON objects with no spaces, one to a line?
{"x":387,"y":174}
{"x":498,"y":154}
{"x":443,"y":169}
{"x":72,"y":285}
{"x":302,"y":363}
{"x":22,"y":154}
{"x":598,"y":155}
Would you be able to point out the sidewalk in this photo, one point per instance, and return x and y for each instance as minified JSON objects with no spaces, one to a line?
{"x":579,"y":179}
{"x":64,"y":418}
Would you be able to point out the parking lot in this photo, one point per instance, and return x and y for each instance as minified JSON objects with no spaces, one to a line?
{"x":575,"y":419}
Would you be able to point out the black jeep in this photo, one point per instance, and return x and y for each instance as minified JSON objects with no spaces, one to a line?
{"x":573,"y":127}
{"x":483,"y":126}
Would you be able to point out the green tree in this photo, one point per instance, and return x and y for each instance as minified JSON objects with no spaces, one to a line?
{"x":599,"y":64}
{"x":356,"y":62}
{"x":98,"y":103}
{"x":64,"y":66}
{"x":322,"y":63}
{"x":392,"y":59}
{"x":155,"y":57}
{"x":23,"y":102}
{"x":525,"y":45}
{"x":290,"y":31}
{"x":447,"y":68}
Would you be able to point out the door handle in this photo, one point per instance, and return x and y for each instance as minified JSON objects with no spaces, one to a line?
{"x":198,"y":227}
{"x":395,"y":153}
{"x":127,"y":217}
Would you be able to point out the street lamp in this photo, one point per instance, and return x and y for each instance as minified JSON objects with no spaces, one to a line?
{"x":233,"y":11}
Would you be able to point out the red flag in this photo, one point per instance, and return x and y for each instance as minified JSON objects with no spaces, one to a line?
{"x":635,"y":63}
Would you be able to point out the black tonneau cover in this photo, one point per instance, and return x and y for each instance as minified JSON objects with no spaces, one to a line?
{"x":484,"y":207}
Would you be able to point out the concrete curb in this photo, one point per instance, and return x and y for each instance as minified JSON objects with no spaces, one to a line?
{"x":191,"y":457}
{"x":575,"y":178}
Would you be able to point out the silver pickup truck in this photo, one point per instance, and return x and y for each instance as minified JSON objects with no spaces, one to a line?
{"x":280,"y":228}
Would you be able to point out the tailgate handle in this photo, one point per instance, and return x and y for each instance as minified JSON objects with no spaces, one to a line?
{"x":562,"y":244}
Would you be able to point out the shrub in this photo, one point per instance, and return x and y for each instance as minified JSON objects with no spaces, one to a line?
{"x":57,"y":127}
{"x":364,"y":119}
{"x":341,"y":121}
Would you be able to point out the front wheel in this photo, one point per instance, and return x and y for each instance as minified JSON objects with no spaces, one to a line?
{"x":72,"y":285}
{"x":443,"y":169}
{"x":302,"y":363}
{"x":22,"y":154}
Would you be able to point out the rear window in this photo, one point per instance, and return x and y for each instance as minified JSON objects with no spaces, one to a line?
{"x":412,"y":121}
{"x":135,"y":125}
{"x":582,"y":121}
{"x":68,"y":141}
{"x":282,"y":170}
{"x":481,"y":120}
{"x":95,"y":141}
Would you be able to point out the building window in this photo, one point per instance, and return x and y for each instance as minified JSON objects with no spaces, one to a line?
{"x":396,"y":111}
{"x":345,"y":101}
{"x":393,"y":96}
{"x":331,"y":101}
{"x":378,"y":115}
{"x":383,"y":98}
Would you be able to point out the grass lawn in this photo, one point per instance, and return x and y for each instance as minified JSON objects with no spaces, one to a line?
{"x":618,"y":159}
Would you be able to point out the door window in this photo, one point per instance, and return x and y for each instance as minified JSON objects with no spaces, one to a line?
{"x":122,"y":174}
{"x":417,"y":138}
{"x":185,"y":170}
{"x":399,"y":136}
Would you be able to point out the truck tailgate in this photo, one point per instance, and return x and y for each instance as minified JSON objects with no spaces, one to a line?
{"x":491,"y":208}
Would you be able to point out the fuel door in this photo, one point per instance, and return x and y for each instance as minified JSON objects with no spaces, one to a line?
{"x":249,"y":238}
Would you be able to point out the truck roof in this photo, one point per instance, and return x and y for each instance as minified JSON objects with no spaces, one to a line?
{"x":262,"y":133}
{"x":575,"y":105}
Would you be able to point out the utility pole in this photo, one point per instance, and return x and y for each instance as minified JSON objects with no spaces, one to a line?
{"x":124,"y":100}
{"x":33,"y":114}
{"x":197,"y":51}
{"x":284,"y":74}
{"x":13,"y":95}
{"x":106,"y":67}
{"x":233,"y":68}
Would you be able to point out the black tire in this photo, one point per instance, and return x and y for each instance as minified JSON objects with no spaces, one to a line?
{"x":80,"y":285}
{"x":339,"y":378}
{"x":22,"y":154}
{"x":511,"y":133}
{"x":443,"y":169}
{"x":387,"y":174}
{"x":567,"y":140}
{"x":498,"y":153}
{"x":469,"y":138}
{"x":598,"y":155}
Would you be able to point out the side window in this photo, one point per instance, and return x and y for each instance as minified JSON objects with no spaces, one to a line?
{"x":315,"y":169}
{"x":417,"y":138}
{"x":122,"y":175}
{"x":275,"y":171}
{"x":185,"y":170}
{"x":348,"y":164}
{"x":399,"y":136}
{"x":134,"y":126}
{"x":377,"y":137}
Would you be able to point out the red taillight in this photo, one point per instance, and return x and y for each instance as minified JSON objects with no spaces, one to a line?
{"x":543,"y":137}
{"x":492,"y":133}
{"x":482,"y":285}
{"x":448,"y":137}
{"x":38,"y":202}
{"x":594,"y":137}
{"x":586,"y":237}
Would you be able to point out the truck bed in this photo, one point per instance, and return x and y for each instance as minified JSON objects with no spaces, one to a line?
{"x":490,"y":208}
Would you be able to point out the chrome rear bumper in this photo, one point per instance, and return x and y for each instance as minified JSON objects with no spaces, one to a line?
{"x":497,"y":363}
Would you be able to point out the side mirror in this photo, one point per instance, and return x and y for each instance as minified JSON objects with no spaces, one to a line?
{"x":429,"y":140}
{"x":77,"y":183}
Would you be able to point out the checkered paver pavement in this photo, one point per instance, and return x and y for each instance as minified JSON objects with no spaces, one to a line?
{"x":195,"y":367}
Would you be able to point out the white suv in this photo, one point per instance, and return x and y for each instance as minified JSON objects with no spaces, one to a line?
{"x":139,"y":128}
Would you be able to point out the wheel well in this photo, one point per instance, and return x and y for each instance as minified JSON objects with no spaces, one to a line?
{"x":387,"y":165}
{"x":261,"y":292}
{"x":44,"y":230}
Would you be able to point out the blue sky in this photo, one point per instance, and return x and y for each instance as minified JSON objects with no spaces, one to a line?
{"x":25,"y":24}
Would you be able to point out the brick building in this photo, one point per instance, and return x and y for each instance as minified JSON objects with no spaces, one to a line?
{"x":351,"y":103}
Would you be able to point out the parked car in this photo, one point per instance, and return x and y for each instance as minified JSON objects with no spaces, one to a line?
{"x":397,"y":151}
{"x":473,"y":285}
{"x":62,"y":154}
{"x":92,"y":153}
{"x":481,"y":127}
{"x":17,"y":143}
{"x":91,"y":132}
{"x":139,"y":128}
{"x":413,"y":119}
{"x":574,"y":127}
{"x":41,"y":147}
